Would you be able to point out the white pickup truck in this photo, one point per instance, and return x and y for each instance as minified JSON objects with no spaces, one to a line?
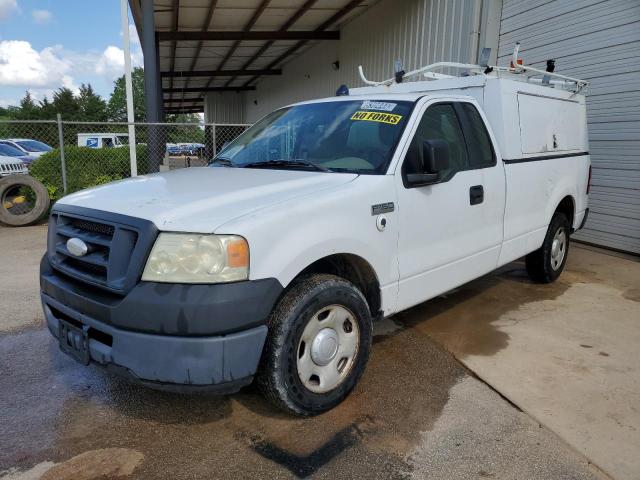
{"x":274,"y":261}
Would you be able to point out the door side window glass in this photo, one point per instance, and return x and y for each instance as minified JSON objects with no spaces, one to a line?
{"x":440,"y":122}
{"x":480,"y":150}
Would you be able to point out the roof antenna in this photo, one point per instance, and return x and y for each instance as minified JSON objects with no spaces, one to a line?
{"x":399,"y":71}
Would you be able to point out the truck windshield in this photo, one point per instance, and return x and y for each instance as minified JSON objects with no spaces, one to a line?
{"x":340,"y":136}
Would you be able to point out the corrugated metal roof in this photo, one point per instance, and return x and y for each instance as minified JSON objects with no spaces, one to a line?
{"x":237,"y":16}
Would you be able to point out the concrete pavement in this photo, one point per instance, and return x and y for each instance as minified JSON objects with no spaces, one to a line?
{"x":568,"y":356}
{"x":416,"y":414}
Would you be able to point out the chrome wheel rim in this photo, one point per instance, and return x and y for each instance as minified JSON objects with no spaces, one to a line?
{"x":558,"y":248}
{"x":328,"y":348}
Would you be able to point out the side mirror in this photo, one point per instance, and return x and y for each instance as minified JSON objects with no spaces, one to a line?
{"x":435,"y":159}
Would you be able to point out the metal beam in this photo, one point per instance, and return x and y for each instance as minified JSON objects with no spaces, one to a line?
{"x":152,"y":84}
{"x":207,"y":89}
{"x":293,"y":19}
{"x":247,"y":27}
{"x":326,"y":24}
{"x":220,"y":73}
{"x":185,"y":100}
{"x":150,"y":61}
{"x":205,"y":27}
{"x":190,"y":36}
{"x":174,"y":27}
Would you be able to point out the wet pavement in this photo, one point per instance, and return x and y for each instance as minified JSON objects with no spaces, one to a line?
{"x":417,"y":413}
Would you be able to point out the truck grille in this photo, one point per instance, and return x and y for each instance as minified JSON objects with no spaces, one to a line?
{"x":116,"y":251}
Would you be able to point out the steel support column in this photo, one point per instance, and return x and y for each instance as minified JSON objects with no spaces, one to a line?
{"x":152,"y":90}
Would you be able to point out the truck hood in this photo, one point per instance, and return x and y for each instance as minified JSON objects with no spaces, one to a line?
{"x":202,"y":199}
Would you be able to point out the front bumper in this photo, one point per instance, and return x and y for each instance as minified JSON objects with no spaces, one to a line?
{"x":180,"y":345}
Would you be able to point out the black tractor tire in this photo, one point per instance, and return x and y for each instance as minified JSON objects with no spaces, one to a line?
{"x":542,"y":266}
{"x":278,"y":377}
{"x":41,"y":203}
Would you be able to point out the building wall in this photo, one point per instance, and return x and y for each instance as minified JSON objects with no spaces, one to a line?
{"x":599,"y":42}
{"x":418,"y":32}
{"x":224,"y":107}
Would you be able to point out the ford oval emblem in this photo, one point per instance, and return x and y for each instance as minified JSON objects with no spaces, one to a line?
{"x":77,"y":247}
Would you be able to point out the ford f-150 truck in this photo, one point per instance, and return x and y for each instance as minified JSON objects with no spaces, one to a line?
{"x":273,"y":262}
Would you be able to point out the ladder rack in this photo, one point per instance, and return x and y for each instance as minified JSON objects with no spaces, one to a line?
{"x":517,"y":71}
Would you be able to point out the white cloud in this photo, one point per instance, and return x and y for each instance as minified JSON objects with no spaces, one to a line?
{"x":22,"y":66}
{"x":41,"y":16}
{"x":111,"y":62}
{"x":42,"y":72}
{"x":7,"y":7}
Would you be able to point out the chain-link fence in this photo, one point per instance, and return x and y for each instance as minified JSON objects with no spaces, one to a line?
{"x":67,"y":156}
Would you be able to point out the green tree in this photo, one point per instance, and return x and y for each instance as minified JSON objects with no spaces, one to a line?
{"x":117,"y":106}
{"x":66,"y":104}
{"x":92,"y":107}
{"x":29,"y":109}
{"x":47,"y":110}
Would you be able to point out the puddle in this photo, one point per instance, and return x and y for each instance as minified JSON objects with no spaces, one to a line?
{"x":462,"y":320}
{"x":72,"y":409}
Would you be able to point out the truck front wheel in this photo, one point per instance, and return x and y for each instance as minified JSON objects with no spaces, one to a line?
{"x":318,"y":345}
{"x":546,"y":264}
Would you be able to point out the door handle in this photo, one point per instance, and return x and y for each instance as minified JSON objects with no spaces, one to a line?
{"x":476,"y":195}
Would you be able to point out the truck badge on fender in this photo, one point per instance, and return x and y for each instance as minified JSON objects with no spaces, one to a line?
{"x":382,"y":208}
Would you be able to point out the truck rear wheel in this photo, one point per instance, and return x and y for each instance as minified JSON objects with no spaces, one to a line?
{"x":546,"y":264}
{"x":317,"y":347}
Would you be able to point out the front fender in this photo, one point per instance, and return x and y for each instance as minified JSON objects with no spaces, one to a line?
{"x":285,"y":239}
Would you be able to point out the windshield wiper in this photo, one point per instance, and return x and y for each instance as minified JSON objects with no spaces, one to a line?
{"x":222,"y":161}
{"x":287,"y":163}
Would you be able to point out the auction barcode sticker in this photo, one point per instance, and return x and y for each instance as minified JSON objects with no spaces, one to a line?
{"x":384,"y":106}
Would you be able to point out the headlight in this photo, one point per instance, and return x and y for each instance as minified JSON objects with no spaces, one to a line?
{"x":193,"y":258}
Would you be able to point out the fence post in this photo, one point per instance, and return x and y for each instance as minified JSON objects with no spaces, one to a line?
{"x":213,"y":134}
{"x":63,"y":165}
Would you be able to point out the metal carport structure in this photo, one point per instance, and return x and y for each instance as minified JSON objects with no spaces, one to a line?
{"x":192,"y":47}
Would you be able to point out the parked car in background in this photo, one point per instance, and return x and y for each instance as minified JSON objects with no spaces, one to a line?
{"x":9,"y":151}
{"x":11,"y":166}
{"x":186,"y":149}
{"x":30,"y":147}
{"x":173,"y":149}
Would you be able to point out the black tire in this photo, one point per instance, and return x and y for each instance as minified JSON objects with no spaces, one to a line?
{"x":40,"y":206}
{"x":278,"y":376}
{"x":542,"y":266}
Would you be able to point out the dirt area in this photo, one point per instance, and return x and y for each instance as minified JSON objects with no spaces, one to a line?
{"x":418,"y":413}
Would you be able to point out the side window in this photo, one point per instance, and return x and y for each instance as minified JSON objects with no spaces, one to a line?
{"x":441,"y":122}
{"x":481,"y":153}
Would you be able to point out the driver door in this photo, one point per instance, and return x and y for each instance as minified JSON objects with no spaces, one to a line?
{"x":451,"y":230}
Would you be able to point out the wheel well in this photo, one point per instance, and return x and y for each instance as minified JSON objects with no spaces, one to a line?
{"x":567,"y":206}
{"x":354,"y":269}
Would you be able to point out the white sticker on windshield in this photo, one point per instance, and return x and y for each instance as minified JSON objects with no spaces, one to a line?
{"x":384,"y":106}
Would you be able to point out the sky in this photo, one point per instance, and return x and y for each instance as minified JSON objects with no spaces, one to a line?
{"x":48,"y":44}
